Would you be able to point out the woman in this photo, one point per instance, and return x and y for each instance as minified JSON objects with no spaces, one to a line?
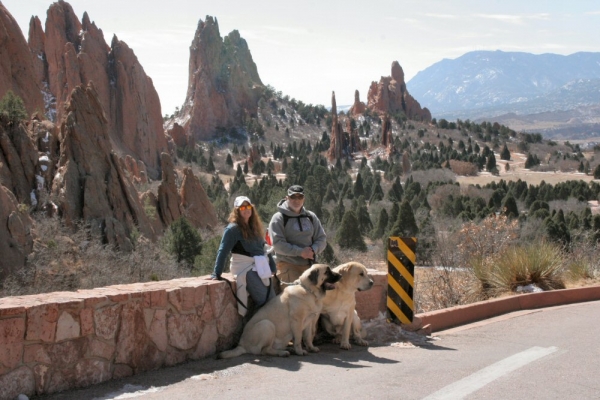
{"x":244,"y":239}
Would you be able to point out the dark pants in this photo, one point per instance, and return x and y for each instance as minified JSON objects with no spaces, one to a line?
{"x":257,"y":290}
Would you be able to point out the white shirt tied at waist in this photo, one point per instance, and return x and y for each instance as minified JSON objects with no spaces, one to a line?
{"x":240,"y":265}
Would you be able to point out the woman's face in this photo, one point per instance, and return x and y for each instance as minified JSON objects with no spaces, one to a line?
{"x":245,"y":211}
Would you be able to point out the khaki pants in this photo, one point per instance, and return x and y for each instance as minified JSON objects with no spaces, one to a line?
{"x":288,"y":273}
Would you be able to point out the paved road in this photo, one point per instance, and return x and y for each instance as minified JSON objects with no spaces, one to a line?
{"x":552,"y":353}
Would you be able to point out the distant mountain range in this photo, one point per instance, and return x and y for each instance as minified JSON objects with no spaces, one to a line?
{"x":487,"y":84}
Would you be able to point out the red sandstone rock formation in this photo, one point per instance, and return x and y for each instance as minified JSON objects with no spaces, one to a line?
{"x":169,"y":207}
{"x":195,"y":203}
{"x":336,"y":147}
{"x":254,"y":155}
{"x":179,"y":135}
{"x":390,"y":96}
{"x":17,"y":72}
{"x":16,"y":240}
{"x":18,"y":162}
{"x":223,"y":82}
{"x":76,"y":53}
{"x":358,"y":108}
{"x":353,"y":138}
{"x":90,"y":183}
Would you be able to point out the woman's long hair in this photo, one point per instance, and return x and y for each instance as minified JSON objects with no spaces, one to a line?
{"x":252,"y":229}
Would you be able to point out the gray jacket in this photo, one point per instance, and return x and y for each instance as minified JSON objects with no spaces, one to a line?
{"x":298,"y":233}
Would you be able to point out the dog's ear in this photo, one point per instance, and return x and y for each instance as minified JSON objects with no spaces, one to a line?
{"x":314,"y":276}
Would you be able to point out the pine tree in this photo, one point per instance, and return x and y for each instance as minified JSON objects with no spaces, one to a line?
{"x":505,"y":154}
{"x":381,"y":227}
{"x":183,"y":241}
{"x":405,"y":224}
{"x":510,"y":207}
{"x":358,"y":187}
{"x":12,"y":108}
{"x":348,"y":237}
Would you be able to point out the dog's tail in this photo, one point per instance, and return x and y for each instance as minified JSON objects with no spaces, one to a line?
{"x":238,"y":351}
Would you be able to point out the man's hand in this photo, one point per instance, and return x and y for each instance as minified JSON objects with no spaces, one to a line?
{"x":307,"y":253}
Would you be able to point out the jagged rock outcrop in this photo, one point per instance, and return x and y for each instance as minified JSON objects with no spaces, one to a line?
{"x":90,"y":184}
{"x":223,"y":86}
{"x":254,"y":155}
{"x":358,"y":108}
{"x":136,"y":169}
{"x":390,"y":96}
{"x":195,"y":203}
{"x":336,"y":147}
{"x":169,"y":207}
{"x":16,"y":239}
{"x":76,"y":53}
{"x":18,"y":162}
{"x":354,"y":144}
{"x":179,"y":136}
{"x":17,"y":72}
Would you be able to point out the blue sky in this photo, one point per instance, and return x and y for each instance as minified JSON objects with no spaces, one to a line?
{"x":310,"y":48}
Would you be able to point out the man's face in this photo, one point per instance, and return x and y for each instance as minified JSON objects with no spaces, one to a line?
{"x":295,"y":202}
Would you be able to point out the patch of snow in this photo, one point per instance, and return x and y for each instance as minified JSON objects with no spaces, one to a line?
{"x":40,"y":182}
{"x":44,"y":159}
{"x":33,"y":198}
{"x":531,"y":288}
{"x":46,"y":138}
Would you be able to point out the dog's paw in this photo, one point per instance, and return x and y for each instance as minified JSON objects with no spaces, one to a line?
{"x":314,"y":349}
{"x":361,"y":342}
{"x":301,"y":352}
{"x":284,"y":354}
{"x":345,"y":346}
{"x":336,"y":340}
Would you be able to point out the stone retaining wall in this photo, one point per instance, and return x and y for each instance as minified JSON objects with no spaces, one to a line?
{"x":64,"y":340}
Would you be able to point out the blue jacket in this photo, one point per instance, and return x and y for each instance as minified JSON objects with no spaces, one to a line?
{"x":233,"y":241}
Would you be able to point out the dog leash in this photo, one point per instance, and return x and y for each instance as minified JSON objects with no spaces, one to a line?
{"x":220,"y":278}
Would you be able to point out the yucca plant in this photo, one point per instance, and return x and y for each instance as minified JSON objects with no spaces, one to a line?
{"x":539,"y":263}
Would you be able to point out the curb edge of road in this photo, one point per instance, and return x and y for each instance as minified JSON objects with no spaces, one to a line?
{"x":439,"y":320}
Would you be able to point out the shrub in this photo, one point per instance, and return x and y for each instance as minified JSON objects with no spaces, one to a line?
{"x":534,"y":263}
{"x":183,"y":241}
{"x":12,"y":108}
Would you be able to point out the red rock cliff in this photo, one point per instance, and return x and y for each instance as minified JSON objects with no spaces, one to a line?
{"x":223,"y":86}
{"x":17,"y":72}
{"x":390,"y":96}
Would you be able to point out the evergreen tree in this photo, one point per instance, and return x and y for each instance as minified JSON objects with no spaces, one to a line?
{"x":405,"y":224}
{"x":393,"y":216}
{"x":491,"y":162}
{"x":183,"y":241}
{"x":510,"y":207}
{"x":210,"y":166}
{"x":229,"y":160}
{"x":358,"y":187}
{"x":597,"y":172}
{"x":505,"y":154}
{"x":12,"y":108}
{"x":382,"y":223}
{"x":348,"y":237}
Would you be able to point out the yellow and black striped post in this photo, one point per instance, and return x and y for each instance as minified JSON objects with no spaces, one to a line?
{"x":401,"y":257}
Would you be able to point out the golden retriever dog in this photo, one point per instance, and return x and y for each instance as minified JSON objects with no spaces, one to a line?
{"x":338,"y":314}
{"x":291,"y":315}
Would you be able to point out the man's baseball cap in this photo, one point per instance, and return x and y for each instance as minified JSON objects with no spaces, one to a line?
{"x":295,"y":189}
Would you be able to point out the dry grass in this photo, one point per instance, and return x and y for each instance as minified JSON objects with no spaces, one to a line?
{"x":66,"y":260}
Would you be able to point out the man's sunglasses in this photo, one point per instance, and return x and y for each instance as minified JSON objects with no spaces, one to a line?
{"x":297,"y":196}
{"x":244,"y":208}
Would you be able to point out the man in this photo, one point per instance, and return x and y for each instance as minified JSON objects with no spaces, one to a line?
{"x":297,"y":236}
